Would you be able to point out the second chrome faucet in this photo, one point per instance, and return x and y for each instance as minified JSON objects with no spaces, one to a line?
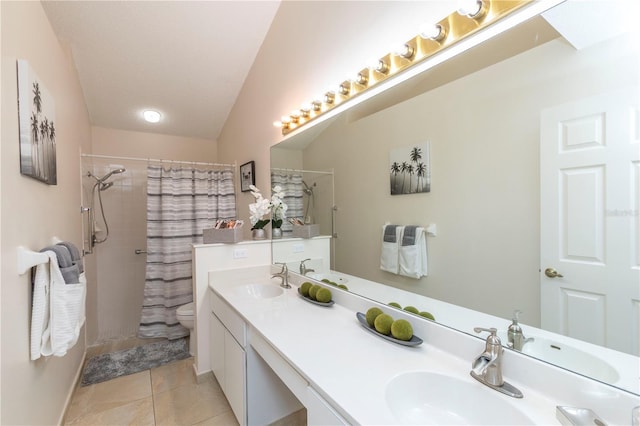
{"x":487,"y":367}
{"x":303,"y":268}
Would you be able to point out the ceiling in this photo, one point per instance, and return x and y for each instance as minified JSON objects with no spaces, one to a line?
{"x":186,"y":59}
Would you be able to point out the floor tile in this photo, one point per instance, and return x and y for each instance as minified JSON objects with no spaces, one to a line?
{"x":138,"y":412}
{"x":190,"y":403}
{"x":299,"y":418}
{"x":225,"y":419}
{"x":110,"y":394}
{"x":173,"y":375}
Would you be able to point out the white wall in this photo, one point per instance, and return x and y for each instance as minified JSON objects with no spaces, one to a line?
{"x":126,"y":143}
{"x":35,"y":392}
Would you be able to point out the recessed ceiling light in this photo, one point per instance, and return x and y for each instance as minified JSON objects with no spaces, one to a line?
{"x":151,"y":116}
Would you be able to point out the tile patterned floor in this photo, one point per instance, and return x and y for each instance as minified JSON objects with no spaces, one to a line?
{"x":165,"y":395}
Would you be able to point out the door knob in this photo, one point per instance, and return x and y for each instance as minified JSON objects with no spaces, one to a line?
{"x":552,"y":273}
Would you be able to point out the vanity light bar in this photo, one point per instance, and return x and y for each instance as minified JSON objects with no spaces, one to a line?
{"x":450,"y":30}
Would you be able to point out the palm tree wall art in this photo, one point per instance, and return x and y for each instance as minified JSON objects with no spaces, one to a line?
{"x":410,"y":170}
{"x":36,"y":117}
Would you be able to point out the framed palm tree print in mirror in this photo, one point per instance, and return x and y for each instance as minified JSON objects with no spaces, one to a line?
{"x":410,"y":170}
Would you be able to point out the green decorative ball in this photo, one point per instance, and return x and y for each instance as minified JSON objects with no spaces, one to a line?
{"x":323,"y":295}
{"x":427,"y":315}
{"x":401,"y":329}
{"x":383,"y":323}
{"x":313,"y":290}
{"x":344,"y":287}
{"x":371,"y":315}
{"x":395,"y":305}
{"x":411,"y":309}
{"x":304,"y":288}
{"x":325,"y":280}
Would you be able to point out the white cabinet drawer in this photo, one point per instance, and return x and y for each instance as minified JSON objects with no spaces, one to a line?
{"x":230,"y":318}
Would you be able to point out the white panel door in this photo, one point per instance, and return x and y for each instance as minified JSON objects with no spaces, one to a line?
{"x":590,"y":180}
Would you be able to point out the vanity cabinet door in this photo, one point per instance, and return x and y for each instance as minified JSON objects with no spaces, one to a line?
{"x":234,"y":375}
{"x":216,"y":348}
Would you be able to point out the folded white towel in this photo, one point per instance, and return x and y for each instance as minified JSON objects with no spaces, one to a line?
{"x":412,"y":257}
{"x":389,"y":254}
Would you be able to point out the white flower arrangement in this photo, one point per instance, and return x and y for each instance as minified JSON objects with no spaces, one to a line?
{"x":264,"y":206}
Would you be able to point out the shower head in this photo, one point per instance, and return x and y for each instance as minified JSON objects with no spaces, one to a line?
{"x":112,"y":172}
{"x":308,"y":190}
{"x":107,"y":176}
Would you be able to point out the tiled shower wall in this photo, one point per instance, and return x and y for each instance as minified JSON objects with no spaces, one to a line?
{"x":120,"y":272}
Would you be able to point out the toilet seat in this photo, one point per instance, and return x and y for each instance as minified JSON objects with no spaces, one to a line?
{"x":185,"y":310}
{"x":186,"y":317}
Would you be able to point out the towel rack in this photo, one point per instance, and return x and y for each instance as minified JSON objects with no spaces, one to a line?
{"x":27,"y":259}
{"x":431,"y":230}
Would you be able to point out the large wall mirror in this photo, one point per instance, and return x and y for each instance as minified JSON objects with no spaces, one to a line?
{"x":534,"y":144}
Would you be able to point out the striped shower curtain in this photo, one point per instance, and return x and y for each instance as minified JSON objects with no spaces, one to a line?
{"x":181,"y":202}
{"x":293,"y":195}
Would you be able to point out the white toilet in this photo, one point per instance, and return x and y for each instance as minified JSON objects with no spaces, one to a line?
{"x":186,"y":316}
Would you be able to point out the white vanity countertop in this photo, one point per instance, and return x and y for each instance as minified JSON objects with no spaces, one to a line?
{"x":347,"y":365}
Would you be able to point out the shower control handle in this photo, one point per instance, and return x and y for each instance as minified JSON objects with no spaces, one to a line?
{"x":139,"y":251}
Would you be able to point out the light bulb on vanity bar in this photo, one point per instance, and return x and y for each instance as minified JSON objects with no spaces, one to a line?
{"x":474,"y":9}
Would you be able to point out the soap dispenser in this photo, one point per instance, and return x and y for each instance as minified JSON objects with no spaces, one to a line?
{"x":515,"y":337}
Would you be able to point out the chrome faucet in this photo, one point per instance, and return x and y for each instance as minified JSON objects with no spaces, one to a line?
{"x":303,"y":268}
{"x":487,"y":368}
{"x":283,"y":274}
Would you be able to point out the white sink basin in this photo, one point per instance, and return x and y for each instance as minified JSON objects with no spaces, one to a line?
{"x":259,"y":291}
{"x":338,"y":279}
{"x":426,"y":398}
{"x":569,"y":357}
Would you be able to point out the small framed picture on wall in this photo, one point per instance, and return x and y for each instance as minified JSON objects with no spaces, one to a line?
{"x":247,"y":176}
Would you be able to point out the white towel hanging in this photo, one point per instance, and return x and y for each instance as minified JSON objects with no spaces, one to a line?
{"x":391,"y":235}
{"x":412,"y":257}
{"x":58,"y":310}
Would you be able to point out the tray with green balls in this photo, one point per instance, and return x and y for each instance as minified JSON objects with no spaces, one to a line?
{"x":316,"y":294}
{"x":401,"y":329}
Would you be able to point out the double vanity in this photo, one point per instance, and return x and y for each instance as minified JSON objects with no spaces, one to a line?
{"x":273,"y":352}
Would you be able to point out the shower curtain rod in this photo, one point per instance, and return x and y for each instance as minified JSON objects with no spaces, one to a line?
{"x":156,"y":160}
{"x":302,"y":171}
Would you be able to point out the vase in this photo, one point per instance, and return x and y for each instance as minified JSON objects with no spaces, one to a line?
{"x":276,"y":233}
{"x":258,"y":234}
